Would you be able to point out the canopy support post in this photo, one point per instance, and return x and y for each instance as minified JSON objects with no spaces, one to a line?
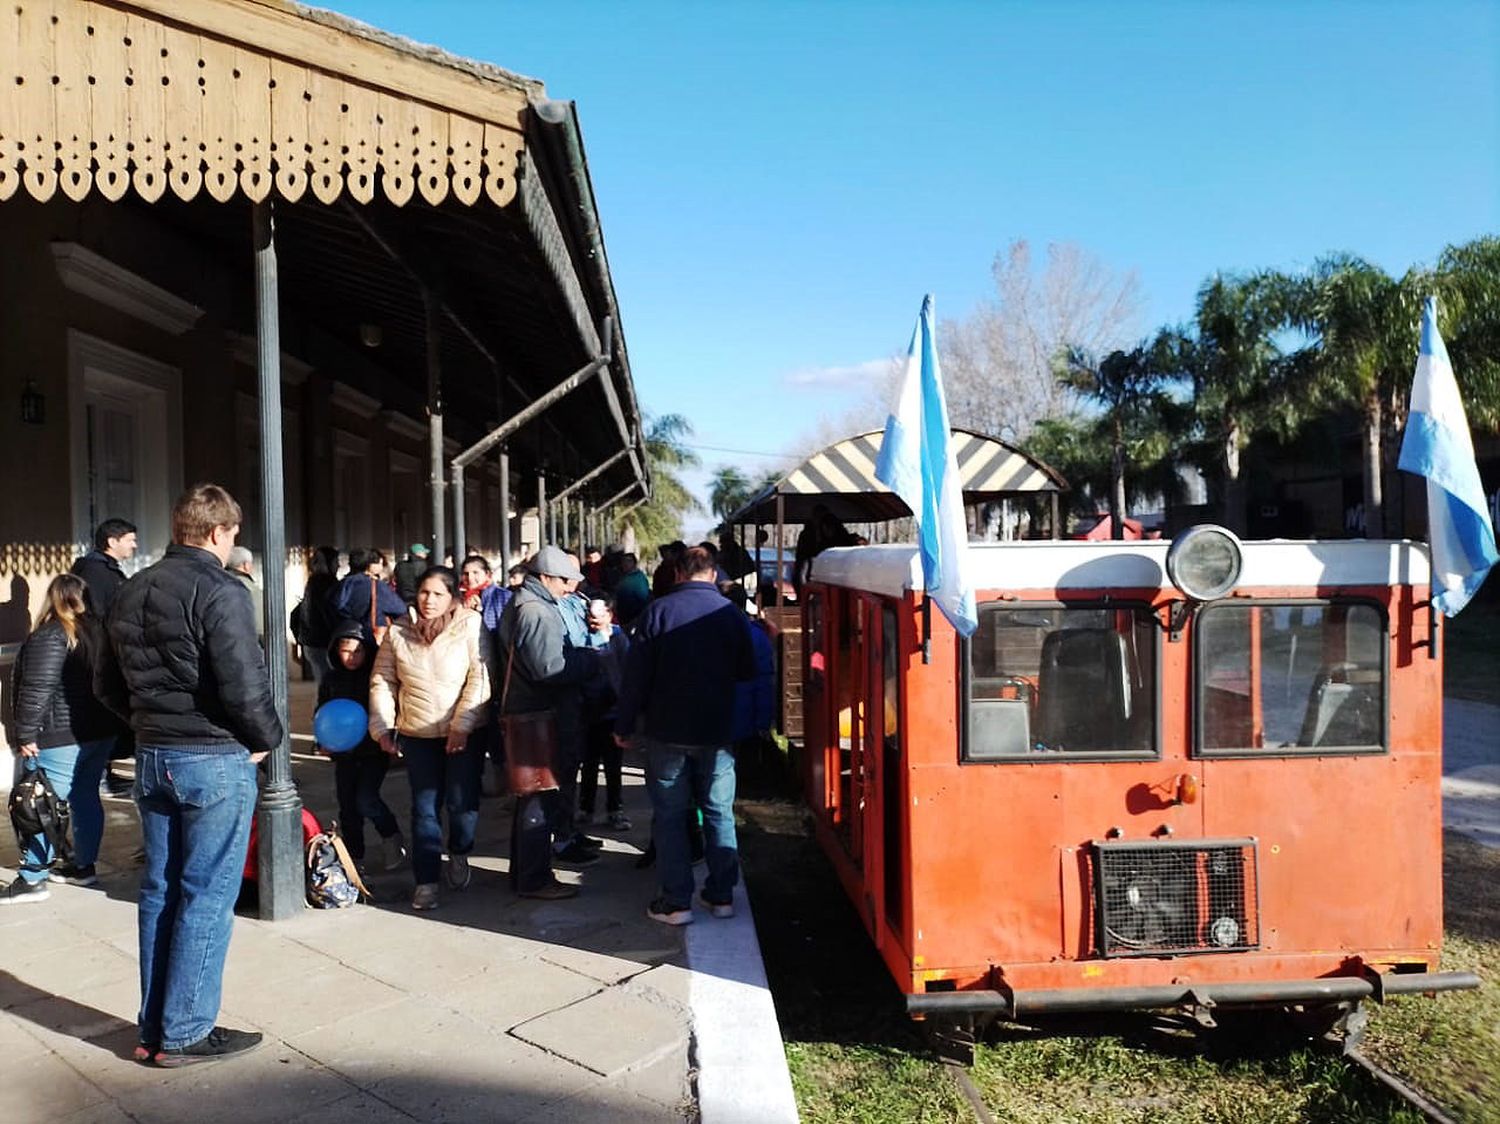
{"x":279,"y":864}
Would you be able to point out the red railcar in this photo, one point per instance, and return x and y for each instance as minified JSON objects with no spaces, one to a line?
{"x":1159,"y":775}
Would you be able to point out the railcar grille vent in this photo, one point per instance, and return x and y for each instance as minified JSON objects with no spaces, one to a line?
{"x":1169,"y":897}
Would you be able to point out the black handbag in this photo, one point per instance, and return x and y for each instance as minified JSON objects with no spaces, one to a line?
{"x":36,"y":809}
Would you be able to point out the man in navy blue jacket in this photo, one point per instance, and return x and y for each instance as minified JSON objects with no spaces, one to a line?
{"x":690,"y":650}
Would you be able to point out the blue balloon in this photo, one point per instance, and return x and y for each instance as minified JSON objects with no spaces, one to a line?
{"x":339,"y":725}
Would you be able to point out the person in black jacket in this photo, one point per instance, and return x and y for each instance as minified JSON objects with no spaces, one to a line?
{"x":63,"y":730}
{"x":689,"y":651}
{"x":184,"y":666}
{"x":114,"y":542}
{"x":358,"y":773}
{"x":315,"y":615}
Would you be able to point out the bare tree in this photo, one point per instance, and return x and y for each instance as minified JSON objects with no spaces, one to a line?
{"x":998,"y":360}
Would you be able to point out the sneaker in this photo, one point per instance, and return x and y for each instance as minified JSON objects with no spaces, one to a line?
{"x":458,"y":872}
{"x":588,"y":841}
{"x":75,"y":875}
{"x":619,"y":821}
{"x":576,"y":854}
{"x":217,"y":1044}
{"x":393,"y":851}
{"x":553,"y":891}
{"x":668,"y":914}
{"x":21,"y":891}
{"x":721,"y":910}
{"x":425,"y":896}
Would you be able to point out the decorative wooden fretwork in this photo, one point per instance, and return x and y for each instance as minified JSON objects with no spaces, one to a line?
{"x":241,"y":95}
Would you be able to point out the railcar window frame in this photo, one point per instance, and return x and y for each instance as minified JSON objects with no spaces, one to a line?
{"x":1147,"y":623}
{"x":1200,"y":681}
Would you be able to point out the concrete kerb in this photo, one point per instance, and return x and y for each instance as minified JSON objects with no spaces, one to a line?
{"x":741,"y":1062}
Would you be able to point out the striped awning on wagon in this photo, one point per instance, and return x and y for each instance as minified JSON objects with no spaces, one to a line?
{"x":842,"y":479}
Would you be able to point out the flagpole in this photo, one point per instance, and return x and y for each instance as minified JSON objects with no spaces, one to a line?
{"x":926,"y":627}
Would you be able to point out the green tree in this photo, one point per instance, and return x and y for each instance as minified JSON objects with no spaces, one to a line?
{"x":1128,"y":385}
{"x":1239,"y":378}
{"x":659,"y":519}
{"x":1362,"y":325}
{"x":1467,"y":283}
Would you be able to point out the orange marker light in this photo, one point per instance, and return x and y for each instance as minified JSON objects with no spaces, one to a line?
{"x":1187,"y":789}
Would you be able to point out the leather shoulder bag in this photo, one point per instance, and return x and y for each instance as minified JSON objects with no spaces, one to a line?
{"x":530,"y":742}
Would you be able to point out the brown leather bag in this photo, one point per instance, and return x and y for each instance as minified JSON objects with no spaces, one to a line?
{"x":530,"y":743}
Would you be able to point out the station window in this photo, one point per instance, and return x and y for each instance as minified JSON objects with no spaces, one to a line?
{"x":1074,"y":680}
{"x":1306,"y":677}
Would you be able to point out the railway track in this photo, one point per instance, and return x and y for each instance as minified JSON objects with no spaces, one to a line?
{"x":1412,"y":1098}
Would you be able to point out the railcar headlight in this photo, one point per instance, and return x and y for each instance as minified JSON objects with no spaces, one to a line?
{"x":1225,"y":932}
{"x":1204,"y":562}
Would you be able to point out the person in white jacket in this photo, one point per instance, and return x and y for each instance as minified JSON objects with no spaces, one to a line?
{"x":427,"y":695}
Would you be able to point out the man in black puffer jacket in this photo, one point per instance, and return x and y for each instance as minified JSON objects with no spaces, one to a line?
{"x":184,"y":667}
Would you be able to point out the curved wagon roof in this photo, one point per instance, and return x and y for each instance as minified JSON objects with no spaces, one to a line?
{"x":841,"y":477}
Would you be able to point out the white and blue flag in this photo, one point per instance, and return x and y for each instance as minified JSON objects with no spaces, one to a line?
{"x":1437,"y":446}
{"x":916,"y":462}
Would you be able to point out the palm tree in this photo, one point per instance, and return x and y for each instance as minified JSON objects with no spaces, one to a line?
{"x":1467,"y":283}
{"x":1239,"y":378}
{"x":1362,"y":324}
{"x":1128,"y":385}
{"x":659,"y":519}
{"x":729,"y":491}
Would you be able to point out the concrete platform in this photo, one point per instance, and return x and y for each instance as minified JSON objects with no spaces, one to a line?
{"x":490,"y":1008}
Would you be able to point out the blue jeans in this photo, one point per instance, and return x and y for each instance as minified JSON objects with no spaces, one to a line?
{"x":195,"y":822}
{"x":74,"y":772}
{"x":439,"y":777}
{"x":675,"y":775}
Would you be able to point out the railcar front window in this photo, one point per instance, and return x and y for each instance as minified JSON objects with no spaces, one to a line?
{"x":1079,"y":681}
{"x":1298,"y":678}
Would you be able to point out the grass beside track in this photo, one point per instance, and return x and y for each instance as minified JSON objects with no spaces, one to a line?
{"x":855,"y":1057}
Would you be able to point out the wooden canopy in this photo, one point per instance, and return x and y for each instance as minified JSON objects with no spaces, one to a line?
{"x":245,"y":95}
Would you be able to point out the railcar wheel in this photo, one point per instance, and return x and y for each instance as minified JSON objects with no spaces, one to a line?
{"x":952,"y":1040}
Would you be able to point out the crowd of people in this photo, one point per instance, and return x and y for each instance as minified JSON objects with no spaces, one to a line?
{"x":550,"y":675}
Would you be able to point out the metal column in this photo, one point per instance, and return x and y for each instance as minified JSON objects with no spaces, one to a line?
{"x":279,"y":816}
{"x":505,"y":559}
{"x":541,"y":509}
{"x":460,"y":516}
{"x":567,"y":539}
{"x":435,"y":423}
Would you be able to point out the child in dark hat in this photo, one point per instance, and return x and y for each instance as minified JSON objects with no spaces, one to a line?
{"x":359,"y":773}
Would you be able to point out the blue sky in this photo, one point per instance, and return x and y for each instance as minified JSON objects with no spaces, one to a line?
{"x":780,"y":183}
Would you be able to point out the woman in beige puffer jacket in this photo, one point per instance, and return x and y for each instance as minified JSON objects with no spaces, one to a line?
{"x":428,"y":692}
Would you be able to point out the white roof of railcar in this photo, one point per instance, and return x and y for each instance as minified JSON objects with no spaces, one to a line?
{"x":1139,"y":564}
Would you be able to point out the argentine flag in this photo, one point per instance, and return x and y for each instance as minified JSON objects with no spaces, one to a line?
{"x":1437,"y":446}
{"x":916,"y":462}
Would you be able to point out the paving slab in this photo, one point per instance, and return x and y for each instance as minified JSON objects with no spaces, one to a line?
{"x":269,"y":1084}
{"x":42,"y":1087}
{"x":491,"y":1008}
{"x":607,"y":1032}
{"x":356,"y":1108}
{"x":520,"y":992}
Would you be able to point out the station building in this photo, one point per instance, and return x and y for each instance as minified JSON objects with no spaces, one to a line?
{"x":202,"y":198}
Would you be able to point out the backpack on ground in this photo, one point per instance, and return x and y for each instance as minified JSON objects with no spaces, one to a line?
{"x":333,"y":880}
{"x":37,"y":809}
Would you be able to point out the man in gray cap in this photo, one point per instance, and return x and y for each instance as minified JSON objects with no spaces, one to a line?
{"x":539,"y":671}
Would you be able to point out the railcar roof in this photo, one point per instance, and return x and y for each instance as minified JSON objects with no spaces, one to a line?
{"x":1281,"y":563}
